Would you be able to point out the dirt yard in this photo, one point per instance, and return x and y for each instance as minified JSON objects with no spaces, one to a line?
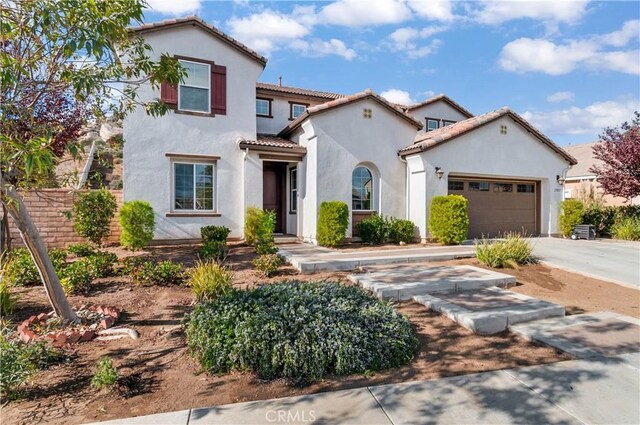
{"x":160,"y":376}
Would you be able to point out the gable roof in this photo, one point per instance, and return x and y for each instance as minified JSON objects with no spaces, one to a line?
{"x":425,"y":141}
{"x":444,"y":98}
{"x":583,"y":153}
{"x":347,"y":100}
{"x":200,"y":23}
{"x":298,"y":91}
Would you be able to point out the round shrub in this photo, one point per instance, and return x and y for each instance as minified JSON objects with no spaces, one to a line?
{"x":401,"y":231}
{"x":252,"y":220}
{"x":76,"y":277}
{"x":333,"y":219}
{"x":374,"y":230}
{"x":570,"y":215}
{"x":449,"y":219}
{"x":214,"y":242}
{"x":299,"y":331}
{"x":93,"y":212}
{"x":268,"y":264}
{"x":137,"y":223}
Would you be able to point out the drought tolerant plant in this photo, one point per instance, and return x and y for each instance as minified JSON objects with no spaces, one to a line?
{"x":210,"y":280}
{"x":268,"y":264}
{"x":252,"y":220}
{"x":511,"y":252}
{"x":301,"y":331}
{"x":265,"y":243}
{"x":93,"y":212}
{"x":570,"y":215}
{"x":7,"y":298}
{"x":449,"y":219}
{"x":76,"y":277}
{"x":401,"y":231}
{"x":214,"y":242}
{"x":333,"y":219}
{"x":101,"y":263}
{"x":22,"y":271}
{"x":106,"y":374}
{"x":626,"y":228}
{"x":146,"y":272}
{"x":81,"y":249}
{"x":374,"y":230}
{"x":137,"y":223}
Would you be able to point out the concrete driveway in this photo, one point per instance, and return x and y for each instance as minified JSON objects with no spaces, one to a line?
{"x":615,"y":261}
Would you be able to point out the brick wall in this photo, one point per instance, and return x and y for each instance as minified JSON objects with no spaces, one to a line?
{"x":47,"y":208}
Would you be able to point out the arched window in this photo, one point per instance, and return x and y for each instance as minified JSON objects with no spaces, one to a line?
{"x":362,"y":189}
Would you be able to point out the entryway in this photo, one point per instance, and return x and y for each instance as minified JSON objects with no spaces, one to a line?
{"x":274,"y":190}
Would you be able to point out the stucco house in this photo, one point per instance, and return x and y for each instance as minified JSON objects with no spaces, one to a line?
{"x":232,"y":142}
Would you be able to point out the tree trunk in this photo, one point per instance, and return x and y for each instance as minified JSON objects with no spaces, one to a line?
{"x":18,"y":212}
{"x":5,"y":234}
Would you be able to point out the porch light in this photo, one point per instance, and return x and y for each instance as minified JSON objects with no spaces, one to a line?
{"x":560,"y":179}
{"x":439,"y":172}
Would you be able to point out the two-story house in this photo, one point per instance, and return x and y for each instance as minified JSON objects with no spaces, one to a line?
{"x":231,"y":142}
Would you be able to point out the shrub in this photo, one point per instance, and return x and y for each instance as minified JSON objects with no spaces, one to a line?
{"x":570,"y":215}
{"x":626,"y":228}
{"x":214,"y":233}
{"x":148,"y":272}
{"x":299,"y":331}
{"x":76,"y":277}
{"x":374,"y":230}
{"x":137,"y":224}
{"x":214,"y":242}
{"x":209,"y":280}
{"x":449,"y":219}
{"x":265,"y":243}
{"x":81,"y":250}
{"x":510,"y":252}
{"x":401,"y":231}
{"x":101,"y":264}
{"x":333,"y":219}
{"x":106,"y":374}
{"x":268,"y":264}
{"x":93,"y":212}
{"x":7,"y":298}
{"x":252,"y":220}
{"x":22,"y":271}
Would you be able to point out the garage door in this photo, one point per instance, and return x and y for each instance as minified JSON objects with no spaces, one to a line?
{"x":498,"y":206}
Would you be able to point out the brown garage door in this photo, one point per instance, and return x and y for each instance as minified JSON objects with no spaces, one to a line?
{"x":498,"y":206}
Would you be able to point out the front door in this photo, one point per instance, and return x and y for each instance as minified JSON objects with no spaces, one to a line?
{"x":273,"y":181}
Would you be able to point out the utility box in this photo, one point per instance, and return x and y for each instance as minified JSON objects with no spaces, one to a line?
{"x":584,"y":231}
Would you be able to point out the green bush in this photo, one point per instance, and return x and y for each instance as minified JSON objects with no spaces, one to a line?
{"x":626,"y":228}
{"x":252,"y":219}
{"x":137,"y":224}
{"x":81,"y":249}
{"x":300,"y":331}
{"x":8,"y":299}
{"x":449,"y":219}
{"x":147,"y":272}
{"x":106,"y":374}
{"x":214,"y":233}
{"x":268,"y":264}
{"x":401,"y":231}
{"x":214,"y":242}
{"x":333,"y":220}
{"x":101,"y":264}
{"x":76,"y":277}
{"x":514,"y":250}
{"x":374,"y":230}
{"x":93,"y":212}
{"x":570,"y":215}
{"x":265,"y":243}
{"x":22,"y":271}
{"x":210,"y":280}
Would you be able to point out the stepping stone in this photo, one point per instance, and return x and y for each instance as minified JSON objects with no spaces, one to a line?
{"x":586,"y":335}
{"x":490,"y":310}
{"x":406,"y":281}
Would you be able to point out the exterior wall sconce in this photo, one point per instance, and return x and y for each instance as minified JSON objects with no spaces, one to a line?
{"x":560,"y":179}
{"x":439,"y":172}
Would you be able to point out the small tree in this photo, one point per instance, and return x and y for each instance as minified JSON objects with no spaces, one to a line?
{"x":93,"y":212}
{"x":619,"y":150}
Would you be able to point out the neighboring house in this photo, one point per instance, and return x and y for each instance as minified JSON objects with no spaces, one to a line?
{"x":232,"y":142}
{"x":581,"y":181}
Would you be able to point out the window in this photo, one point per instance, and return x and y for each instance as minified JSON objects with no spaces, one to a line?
{"x":503,"y":187}
{"x":526,"y":188}
{"x":456,"y":185}
{"x":432,"y":124}
{"x":361,"y":189}
{"x":293,"y":190}
{"x":479,"y":186}
{"x":263,"y":107}
{"x":194,"y":94}
{"x":193,"y":186}
{"x":447,"y":122}
{"x":297,"y":109}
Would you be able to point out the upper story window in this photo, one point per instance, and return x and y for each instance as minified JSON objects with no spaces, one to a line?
{"x":194,"y":94}
{"x":263,"y":107}
{"x":432,"y":124}
{"x":447,"y":122}
{"x":297,"y":109}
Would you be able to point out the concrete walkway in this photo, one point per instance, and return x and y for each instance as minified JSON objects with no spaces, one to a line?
{"x":591,"y":391}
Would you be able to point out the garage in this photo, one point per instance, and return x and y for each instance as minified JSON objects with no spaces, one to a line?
{"x":499,"y":206}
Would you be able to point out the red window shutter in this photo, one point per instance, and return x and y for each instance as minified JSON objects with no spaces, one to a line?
{"x":169,"y":93}
{"x":218,"y":90}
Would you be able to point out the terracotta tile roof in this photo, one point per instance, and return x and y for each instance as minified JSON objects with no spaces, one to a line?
{"x":444,"y":98}
{"x":272,"y":141}
{"x":584,"y":155}
{"x":196,"y":21}
{"x":433,"y":138}
{"x":367,"y":94}
{"x":298,"y":91}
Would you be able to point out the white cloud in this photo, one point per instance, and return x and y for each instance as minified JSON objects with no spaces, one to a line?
{"x":590,"y":119}
{"x":561,"y":96}
{"x":406,"y":40}
{"x":620,"y":38}
{"x":433,"y":9}
{"x":318,"y":48}
{"x":266,"y":31}
{"x":400,"y":97}
{"x":174,"y":7}
{"x":359,"y":13}
{"x":551,"y":12}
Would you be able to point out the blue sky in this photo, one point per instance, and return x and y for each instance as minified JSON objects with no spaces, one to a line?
{"x":569,"y":67}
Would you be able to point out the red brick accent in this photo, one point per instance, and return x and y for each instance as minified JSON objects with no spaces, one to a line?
{"x":47,"y":208}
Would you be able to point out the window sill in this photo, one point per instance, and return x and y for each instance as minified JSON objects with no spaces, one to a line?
{"x":197,"y":114}
{"x":193,"y":214}
{"x":264,"y":116}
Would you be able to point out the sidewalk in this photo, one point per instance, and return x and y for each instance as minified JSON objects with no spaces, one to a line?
{"x":593,"y":391}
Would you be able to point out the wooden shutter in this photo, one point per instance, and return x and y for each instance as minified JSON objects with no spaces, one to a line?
{"x":169,"y":93}
{"x":218,"y":90}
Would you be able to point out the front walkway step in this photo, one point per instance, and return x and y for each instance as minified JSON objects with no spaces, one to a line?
{"x":490,"y":310}
{"x":406,"y":281}
{"x":586,"y":335}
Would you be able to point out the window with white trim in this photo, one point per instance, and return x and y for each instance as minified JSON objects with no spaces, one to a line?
{"x":194,"y":186}
{"x":194,"y":94}
{"x":432,"y":124}
{"x":361,"y":189}
{"x":297,"y":109}
{"x":293,"y":190}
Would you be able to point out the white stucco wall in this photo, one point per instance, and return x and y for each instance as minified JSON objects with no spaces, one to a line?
{"x":280,"y":112}
{"x":487,"y":153}
{"x":147,"y":171}
{"x":440,"y":110}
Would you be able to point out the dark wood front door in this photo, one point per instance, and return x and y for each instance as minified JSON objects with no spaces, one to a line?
{"x":273,"y":183}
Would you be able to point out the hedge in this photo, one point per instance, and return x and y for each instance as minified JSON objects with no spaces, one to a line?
{"x":137,"y":223}
{"x":570,"y":214}
{"x":333,"y":220}
{"x":449,"y":219}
